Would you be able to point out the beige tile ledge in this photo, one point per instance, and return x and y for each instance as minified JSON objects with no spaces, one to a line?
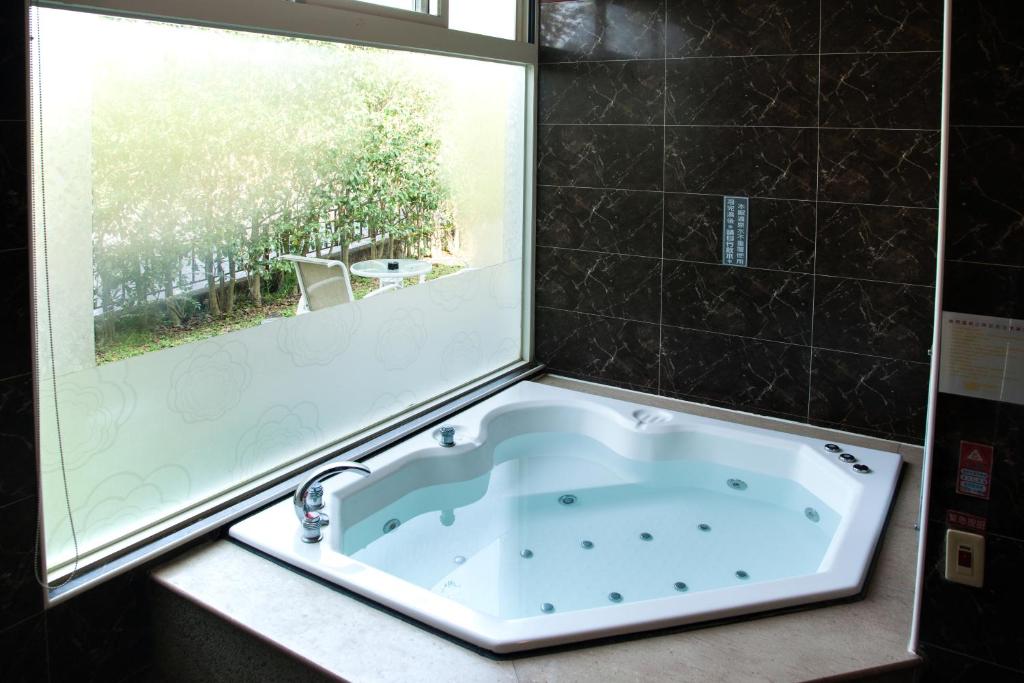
{"x":334,"y":632}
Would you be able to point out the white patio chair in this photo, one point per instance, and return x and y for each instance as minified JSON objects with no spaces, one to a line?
{"x":323,"y":283}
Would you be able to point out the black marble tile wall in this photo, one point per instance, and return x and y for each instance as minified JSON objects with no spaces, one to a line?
{"x":825,"y":113}
{"x":698,"y":366}
{"x":22,"y":624}
{"x":99,"y":636}
{"x":970,"y":633}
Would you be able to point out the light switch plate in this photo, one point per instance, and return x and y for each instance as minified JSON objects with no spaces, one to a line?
{"x":965,"y":557}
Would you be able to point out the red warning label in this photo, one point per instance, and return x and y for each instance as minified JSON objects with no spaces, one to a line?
{"x":974,"y":476}
{"x":963,"y":520}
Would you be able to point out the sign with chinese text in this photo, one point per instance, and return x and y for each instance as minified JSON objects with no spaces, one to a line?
{"x":982,"y":356}
{"x":735,"y":218}
{"x":965,"y":521}
{"x":974,"y":474}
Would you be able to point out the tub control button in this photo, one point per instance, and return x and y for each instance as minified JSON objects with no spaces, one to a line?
{"x":861,"y":468}
{"x":847,"y":457}
{"x":832,"y":448}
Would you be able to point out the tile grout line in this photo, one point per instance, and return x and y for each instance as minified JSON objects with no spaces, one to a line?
{"x":986,"y":264}
{"x":1011,"y":126}
{"x":732,"y":126}
{"x":664,"y":164}
{"x":817,"y":195}
{"x":18,"y":501}
{"x":24,"y":621}
{"x":759,"y":340}
{"x":619,"y":384}
{"x":598,"y":252}
{"x":764,"y":55}
{"x":721,"y":404}
{"x":719,"y":195}
{"x":11,"y":378}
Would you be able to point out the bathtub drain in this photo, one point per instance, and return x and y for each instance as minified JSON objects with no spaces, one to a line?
{"x":547,"y":607}
{"x":587,"y":545}
{"x":812,"y":514}
{"x":615,"y":597}
{"x":704,"y":527}
{"x":391,"y":525}
{"x":567,"y":499}
{"x":737,"y":484}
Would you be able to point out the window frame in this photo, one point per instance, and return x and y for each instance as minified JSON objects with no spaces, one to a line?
{"x":359,"y":23}
{"x":348,"y":21}
{"x":423,"y":15}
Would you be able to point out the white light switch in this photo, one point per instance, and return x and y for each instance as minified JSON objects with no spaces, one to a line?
{"x":965,"y":557}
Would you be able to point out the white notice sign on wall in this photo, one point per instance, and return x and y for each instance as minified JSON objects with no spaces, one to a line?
{"x":982,"y":356}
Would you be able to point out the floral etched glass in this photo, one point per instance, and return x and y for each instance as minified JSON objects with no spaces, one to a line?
{"x":178,"y":162}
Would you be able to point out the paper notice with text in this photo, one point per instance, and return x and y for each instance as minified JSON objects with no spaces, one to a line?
{"x":982,"y":356}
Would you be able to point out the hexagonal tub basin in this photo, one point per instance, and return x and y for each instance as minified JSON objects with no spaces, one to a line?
{"x":559,"y":517}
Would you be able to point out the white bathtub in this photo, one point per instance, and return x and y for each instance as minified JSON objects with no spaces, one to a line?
{"x":560,"y":517}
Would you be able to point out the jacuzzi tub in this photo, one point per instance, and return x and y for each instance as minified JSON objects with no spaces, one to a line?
{"x":559,"y":517}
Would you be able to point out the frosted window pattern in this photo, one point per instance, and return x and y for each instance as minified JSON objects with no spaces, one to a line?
{"x":181,"y":163}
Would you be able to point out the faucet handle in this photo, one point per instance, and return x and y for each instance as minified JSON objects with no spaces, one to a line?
{"x":309,"y":494}
{"x":315,"y":503}
{"x":311,"y":524}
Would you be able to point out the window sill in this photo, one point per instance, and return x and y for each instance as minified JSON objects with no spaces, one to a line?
{"x":175,"y":533}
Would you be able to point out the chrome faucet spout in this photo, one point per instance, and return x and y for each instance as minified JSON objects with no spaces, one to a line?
{"x":301,"y":499}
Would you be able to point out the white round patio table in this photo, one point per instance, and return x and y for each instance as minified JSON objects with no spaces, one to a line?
{"x":378,"y":269}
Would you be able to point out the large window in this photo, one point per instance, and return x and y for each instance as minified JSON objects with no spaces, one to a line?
{"x":217,"y":216}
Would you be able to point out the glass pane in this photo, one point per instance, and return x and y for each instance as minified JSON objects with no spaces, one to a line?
{"x":410,"y":5}
{"x":221,"y":211}
{"x":421,"y":6}
{"x":491,"y":18}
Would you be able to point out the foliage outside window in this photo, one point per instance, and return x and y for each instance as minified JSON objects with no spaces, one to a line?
{"x":362,"y":165}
